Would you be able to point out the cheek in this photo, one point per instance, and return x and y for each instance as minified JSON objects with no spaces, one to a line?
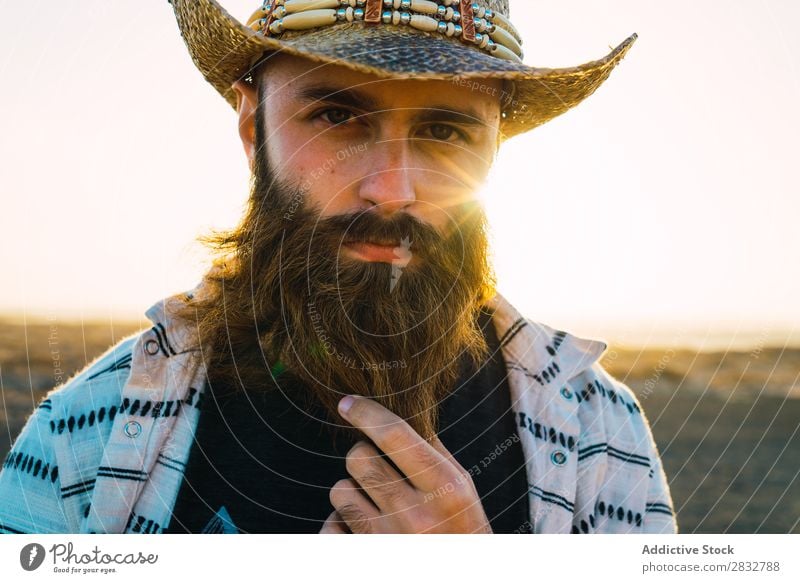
{"x":318,"y":170}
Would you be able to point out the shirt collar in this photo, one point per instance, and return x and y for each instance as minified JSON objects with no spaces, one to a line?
{"x":549,"y":355}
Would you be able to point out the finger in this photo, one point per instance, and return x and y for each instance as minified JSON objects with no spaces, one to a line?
{"x":422,"y":464}
{"x":387,"y":489}
{"x":334,"y":525}
{"x":354,"y":507}
{"x":437,"y":444}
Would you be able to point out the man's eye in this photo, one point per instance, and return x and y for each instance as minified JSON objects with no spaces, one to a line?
{"x":444,"y":132}
{"x":337,"y":116}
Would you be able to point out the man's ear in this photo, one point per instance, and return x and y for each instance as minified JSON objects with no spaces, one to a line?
{"x":246,"y":103}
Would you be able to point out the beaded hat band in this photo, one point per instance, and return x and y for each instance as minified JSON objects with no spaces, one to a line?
{"x":465,"y":20}
{"x":456,"y":40}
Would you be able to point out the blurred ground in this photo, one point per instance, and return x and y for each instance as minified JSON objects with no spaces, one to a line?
{"x":726,"y":423}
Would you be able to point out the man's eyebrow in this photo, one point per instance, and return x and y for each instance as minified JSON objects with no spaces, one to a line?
{"x":446,"y":113}
{"x":358,"y":100}
{"x":337,"y":95}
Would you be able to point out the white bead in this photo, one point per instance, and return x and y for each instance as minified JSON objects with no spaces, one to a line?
{"x":504,"y":53}
{"x":424,"y":6}
{"x":396,"y":17}
{"x":451,"y":29}
{"x":425,"y":23}
{"x":448,"y":15}
{"x":501,"y":20}
{"x":349,"y":14}
{"x":309,"y":19}
{"x":501,"y":36}
{"x":257,"y":15}
{"x":295,"y":6}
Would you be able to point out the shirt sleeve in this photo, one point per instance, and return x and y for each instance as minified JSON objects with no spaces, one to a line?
{"x":659,"y":515}
{"x":30,"y":490}
{"x":614,"y":422}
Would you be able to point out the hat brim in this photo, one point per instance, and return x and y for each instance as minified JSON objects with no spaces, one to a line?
{"x":224,"y":50}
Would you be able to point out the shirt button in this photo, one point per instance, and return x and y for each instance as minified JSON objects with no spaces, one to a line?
{"x":566,"y":393}
{"x":133,"y":429}
{"x":151,"y":347}
{"x":558,"y":457}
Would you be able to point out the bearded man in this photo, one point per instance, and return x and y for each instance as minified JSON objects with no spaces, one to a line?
{"x":347,"y":365}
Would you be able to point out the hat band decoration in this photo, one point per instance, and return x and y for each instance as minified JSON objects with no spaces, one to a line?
{"x":465,"y":20}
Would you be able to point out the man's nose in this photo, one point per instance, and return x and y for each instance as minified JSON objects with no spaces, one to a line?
{"x":389,"y":182}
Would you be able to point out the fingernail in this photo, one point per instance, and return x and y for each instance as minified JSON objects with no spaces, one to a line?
{"x":345,"y":404}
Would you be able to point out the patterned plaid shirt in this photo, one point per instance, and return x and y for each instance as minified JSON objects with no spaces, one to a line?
{"x":106,"y":451}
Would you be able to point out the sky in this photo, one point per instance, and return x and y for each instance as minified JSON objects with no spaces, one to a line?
{"x":665,"y":206}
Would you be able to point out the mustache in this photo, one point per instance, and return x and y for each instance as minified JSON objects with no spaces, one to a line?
{"x":365,"y":226}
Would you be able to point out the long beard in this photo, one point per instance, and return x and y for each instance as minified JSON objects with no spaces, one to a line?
{"x":287,"y":301}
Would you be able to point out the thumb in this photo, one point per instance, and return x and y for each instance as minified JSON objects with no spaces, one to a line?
{"x":334,"y":525}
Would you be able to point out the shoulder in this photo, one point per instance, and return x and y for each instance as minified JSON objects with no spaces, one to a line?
{"x":98,"y":381}
{"x":600,"y":393}
{"x":608,"y":409}
{"x":596,"y":385}
{"x":612,"y":420}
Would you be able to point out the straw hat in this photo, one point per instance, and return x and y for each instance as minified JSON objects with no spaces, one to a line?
{"x":457,"y":40}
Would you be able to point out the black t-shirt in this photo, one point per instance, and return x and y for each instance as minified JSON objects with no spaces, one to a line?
{"x":260,"y":464}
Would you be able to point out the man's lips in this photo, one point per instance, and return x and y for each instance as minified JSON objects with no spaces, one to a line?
{"x":392,"y":253}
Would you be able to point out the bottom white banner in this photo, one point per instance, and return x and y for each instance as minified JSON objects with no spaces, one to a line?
{"x":398,"y":557}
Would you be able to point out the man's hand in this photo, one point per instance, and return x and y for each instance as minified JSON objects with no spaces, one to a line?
{"x":437,"y":495}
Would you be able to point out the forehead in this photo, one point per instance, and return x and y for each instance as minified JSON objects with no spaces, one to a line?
{"x":288,"y":75}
